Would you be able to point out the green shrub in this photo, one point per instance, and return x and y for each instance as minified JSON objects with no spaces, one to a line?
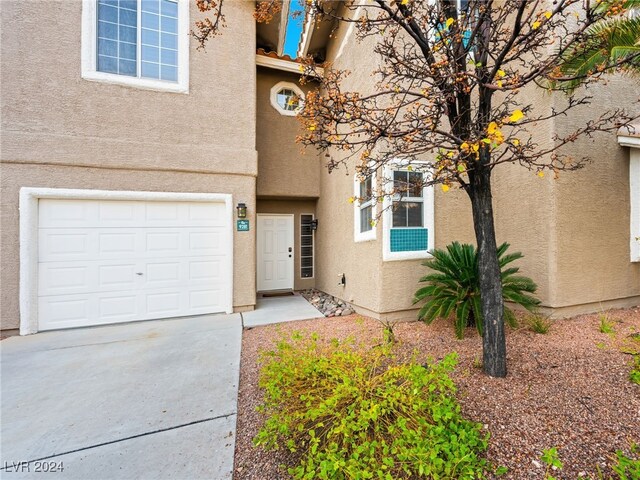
{"x":454,"y":287}
{"x":538,"y":323}
{"x":628,"y":468}
{"x":634,"y":374}
{"x":351,"y":413}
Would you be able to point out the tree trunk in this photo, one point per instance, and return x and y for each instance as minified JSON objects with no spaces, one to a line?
{"x":494,"y":350}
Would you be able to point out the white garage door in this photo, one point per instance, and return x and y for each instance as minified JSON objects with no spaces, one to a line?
{"x":118,"y":261}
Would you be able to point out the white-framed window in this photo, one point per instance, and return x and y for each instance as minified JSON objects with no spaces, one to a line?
{"x":365,"y":208}
{"x":139,"y":43}
{"x":287,"y":98}
{"x":306,"y":245}
{"x":628,"y":137}
{"x":634,"y":187}
{"x":408,"y":218}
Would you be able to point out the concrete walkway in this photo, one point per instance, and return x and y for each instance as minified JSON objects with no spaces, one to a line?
{"x":146,"y":400}
{"x":280,"y":309}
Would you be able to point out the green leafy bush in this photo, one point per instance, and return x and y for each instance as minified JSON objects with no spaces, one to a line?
{"x":454,"y":287}
{"x":352,"y":413}
{"x":634,"y":374}
{"x":628,"y":467}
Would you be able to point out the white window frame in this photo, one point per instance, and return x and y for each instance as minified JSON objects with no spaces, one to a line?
{"x":428,"y":217}
{"x":89,"y":52}
{"x":313,"y":249}
{"x":634,"y":187}
{"x":369,"y":235}
{"x":633,"y":142}
{"x":274,"y":98}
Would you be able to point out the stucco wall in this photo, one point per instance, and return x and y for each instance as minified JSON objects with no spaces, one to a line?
{"x":284,"y":169}
{"x":593,"y":212}
{"x":295,"y":208}
{"x":60,"y":130}
{"x":48,"y":108}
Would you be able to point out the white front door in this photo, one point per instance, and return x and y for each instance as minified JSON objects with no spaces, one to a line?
{"x":275,"y":252}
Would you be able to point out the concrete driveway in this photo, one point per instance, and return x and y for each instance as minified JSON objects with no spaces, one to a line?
{"x":146,"y":400}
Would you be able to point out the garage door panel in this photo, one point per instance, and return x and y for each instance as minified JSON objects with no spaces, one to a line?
{"x":163,"y":273}
{"x":56,"y":245}
{"x":56,"y":279}
{"x":164,"y":304}
{"x":115,"y":277}
{"x":205,"y":270}
{"x":64,"y":213}
{"x":204,"y":299}
{"x":201,"y":214}
{"x":105,"y":262}
{"x":164,"y":242}
{"x":117,"y":307}
{"x":204,"y":242}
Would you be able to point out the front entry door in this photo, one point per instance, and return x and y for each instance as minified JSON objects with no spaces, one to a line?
{"x":275,"y":252}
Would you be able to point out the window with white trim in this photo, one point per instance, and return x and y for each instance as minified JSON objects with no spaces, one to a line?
{"x":141,"y":43}
{"x":287,"y":98}
{"x":364,"y":208}
{"x":408,"y":220}
{"x":634,"y":190}
{"x":306,"y":246}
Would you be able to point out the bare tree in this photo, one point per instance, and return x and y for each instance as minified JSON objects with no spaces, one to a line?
{"x":450,"y":89}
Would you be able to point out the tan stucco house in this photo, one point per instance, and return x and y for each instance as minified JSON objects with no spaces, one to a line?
{"x":128,"y":158}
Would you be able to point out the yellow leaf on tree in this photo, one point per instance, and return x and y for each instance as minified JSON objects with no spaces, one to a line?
{"x":449,"y":22}
{"x":301,"y":68}
{"x":464,"y":146}
{"x":352,"y":199}
{"x":547,"y":14}
{"x":404,"y":2}
{"x":410,"y":168}
{"x":445,"y":187}
{"x":515,"y":116}
{"x":311,"y":128}
{"x":499,"y":83}
{"x":515,"y":142}
{"x":461,"y":168}
{"x":372,"y":223}
{"x":491,"y":128}
{"x":535,"y":25}
{"x":541,"y":174}
{"x":501,"y":73}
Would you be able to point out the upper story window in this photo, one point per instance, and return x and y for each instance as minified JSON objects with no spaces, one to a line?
{"x":142,"y":43}
{"x":409,"y":215}
{"x":364,"y":208}
{"x":287,"y":98}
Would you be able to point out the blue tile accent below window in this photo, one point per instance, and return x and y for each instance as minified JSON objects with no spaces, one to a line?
{"x":409,"y":239}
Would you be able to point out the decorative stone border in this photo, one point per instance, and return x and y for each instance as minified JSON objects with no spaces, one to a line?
{"x":330,"y":306}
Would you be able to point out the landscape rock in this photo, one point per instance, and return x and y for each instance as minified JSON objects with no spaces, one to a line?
{"x":329,"y":305}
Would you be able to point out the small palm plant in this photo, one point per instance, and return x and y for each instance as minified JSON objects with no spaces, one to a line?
{"x":614,"y":41}
{"x":454,"y":287}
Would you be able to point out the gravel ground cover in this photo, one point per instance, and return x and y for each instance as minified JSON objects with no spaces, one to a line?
{"x":567,"y":389}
